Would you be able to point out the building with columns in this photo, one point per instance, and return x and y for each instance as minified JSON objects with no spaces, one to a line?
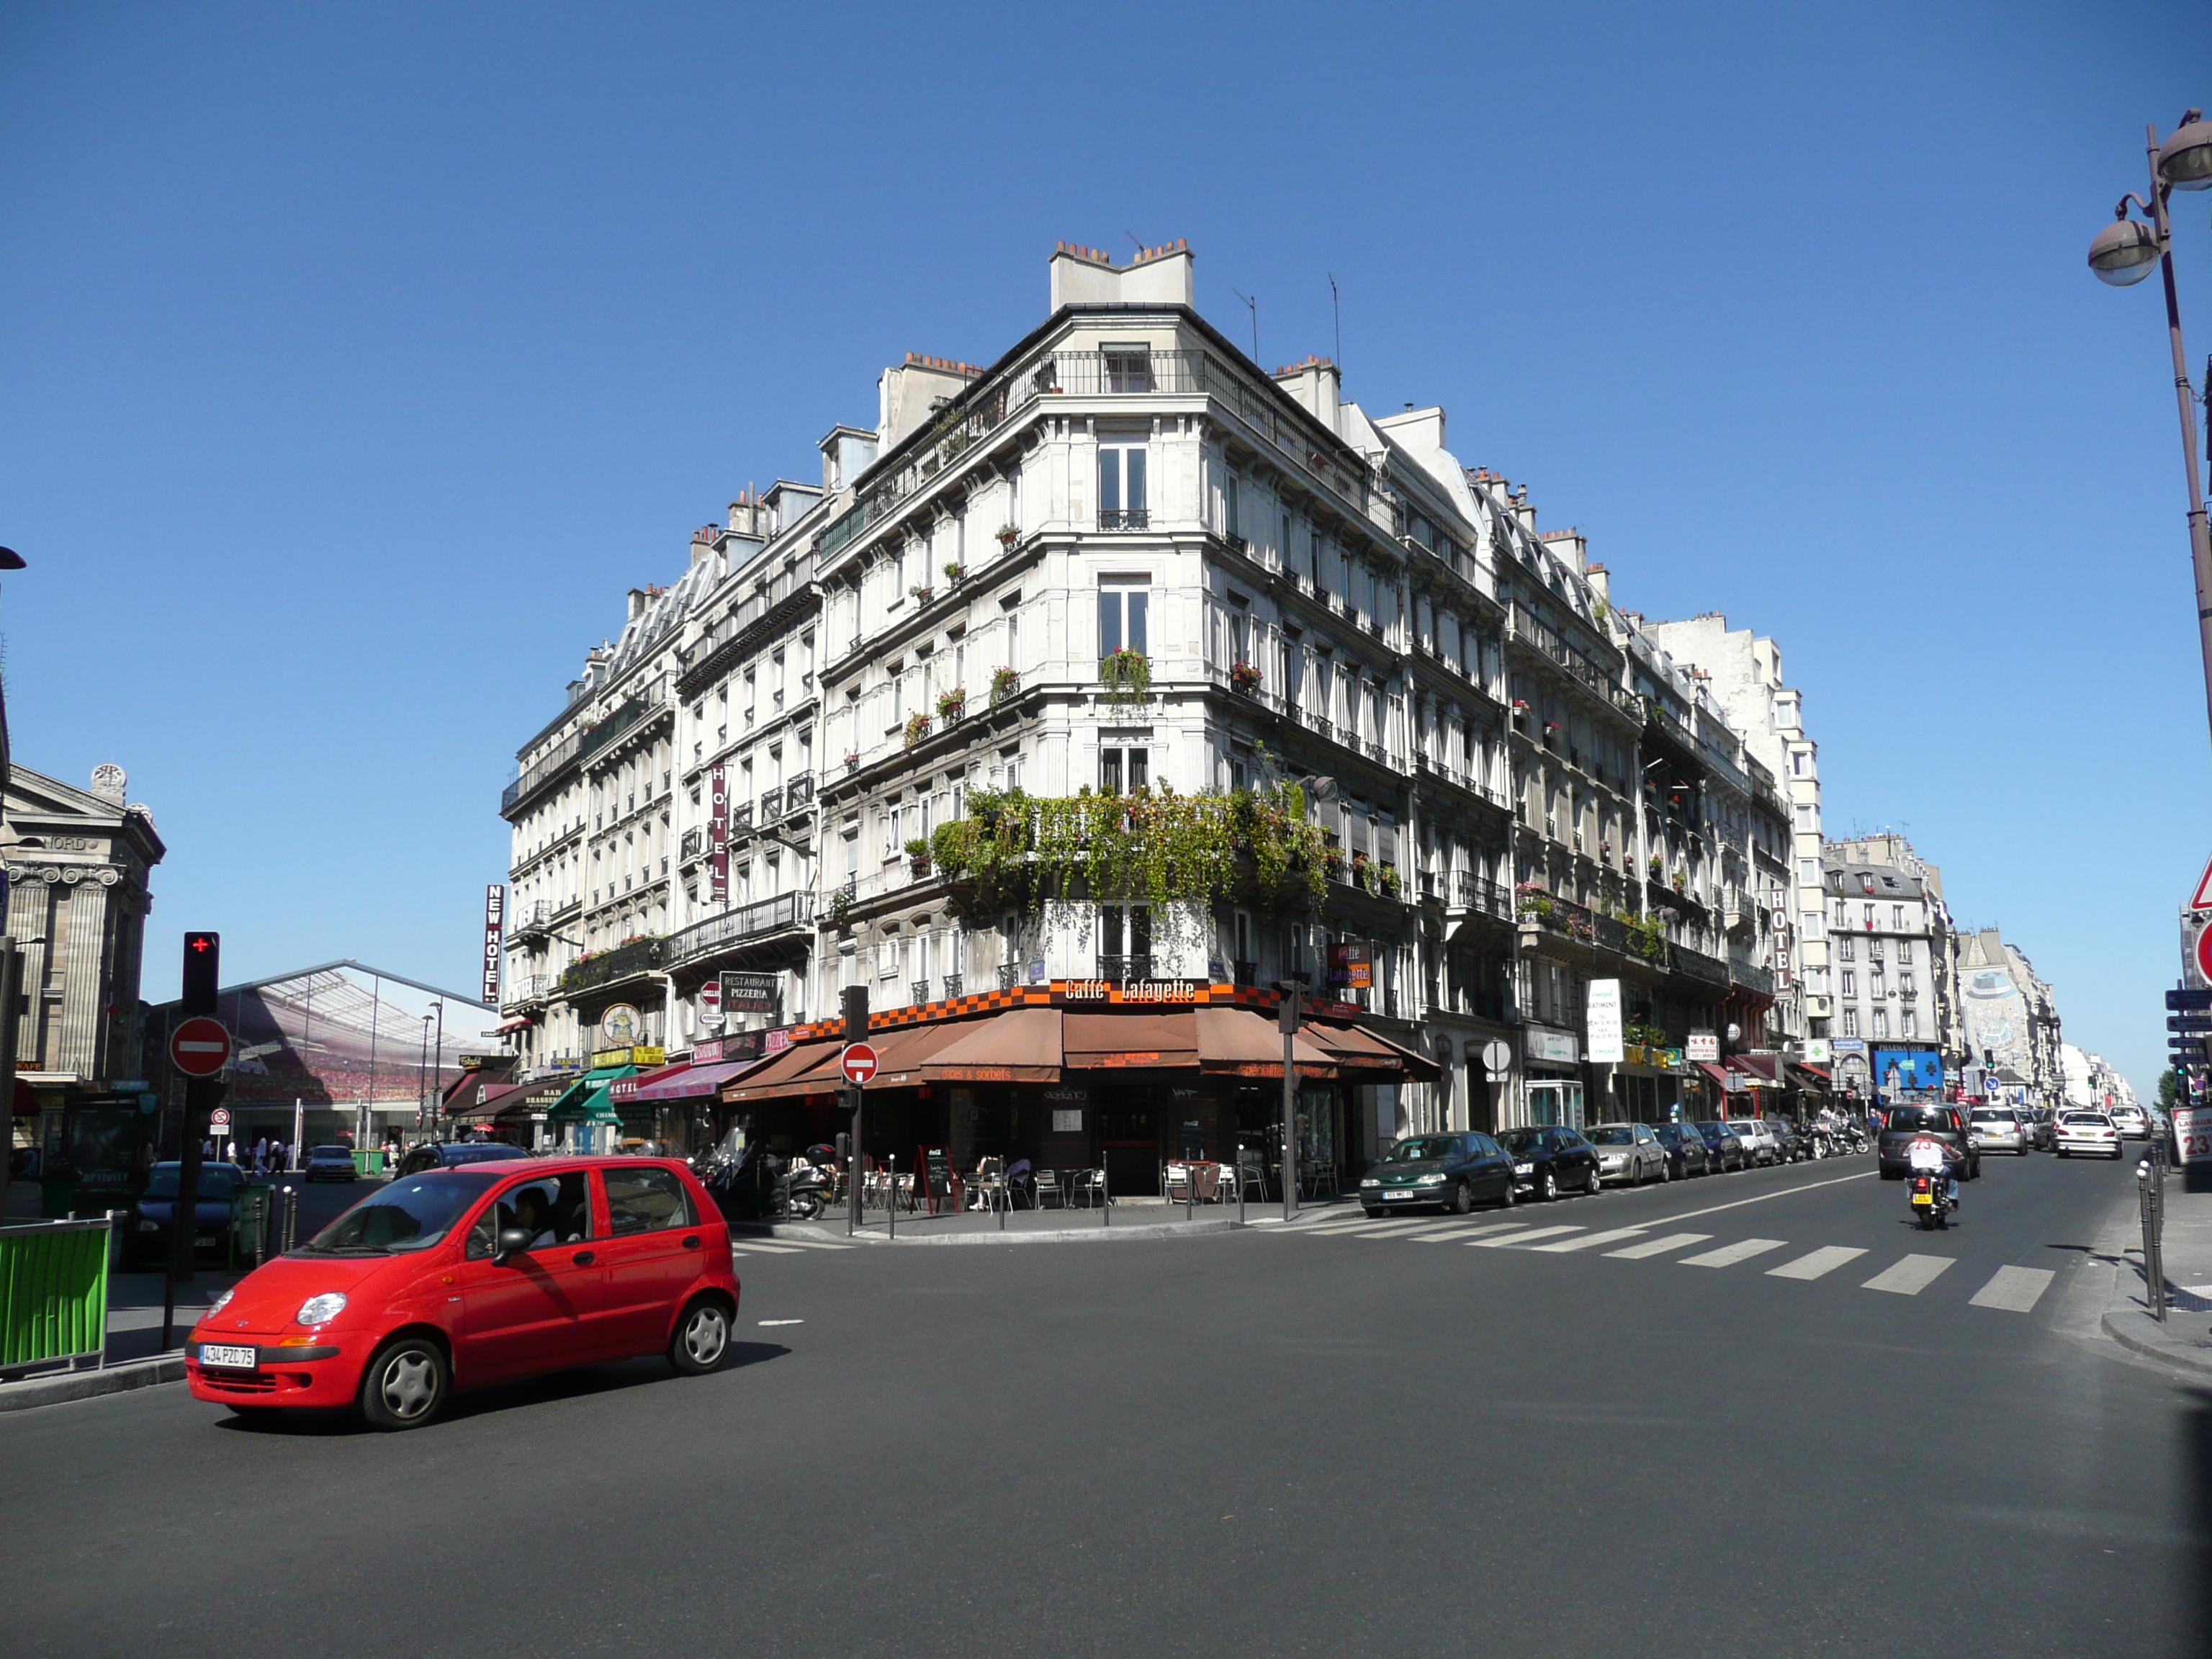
{"x":80,"y":863}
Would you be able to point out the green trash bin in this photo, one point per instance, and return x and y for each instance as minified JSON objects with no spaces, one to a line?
{"x":57,"y":1198}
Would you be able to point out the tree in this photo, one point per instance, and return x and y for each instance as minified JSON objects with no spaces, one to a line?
{"x":2169,"y":1089}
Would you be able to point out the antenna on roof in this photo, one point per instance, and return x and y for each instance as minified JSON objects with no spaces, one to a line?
{"x":1133,"y":237}
{"x":1336,"y":312}
{"x":1254,"y":307}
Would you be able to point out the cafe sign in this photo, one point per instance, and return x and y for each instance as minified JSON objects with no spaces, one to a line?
{"x":636,"y":1054}
{"x":1138,"y":992}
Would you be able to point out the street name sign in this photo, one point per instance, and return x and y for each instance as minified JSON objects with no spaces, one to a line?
{"x":858,"y":1062}
{"x":2178,"y":1001}
{"x":200,"y":1047}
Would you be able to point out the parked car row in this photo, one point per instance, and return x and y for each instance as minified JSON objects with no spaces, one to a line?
{"x":1459,"y":1170}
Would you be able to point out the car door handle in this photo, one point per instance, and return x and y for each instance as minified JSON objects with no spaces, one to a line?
{"x":582,"y":1258}
{"x":691,"y":1242}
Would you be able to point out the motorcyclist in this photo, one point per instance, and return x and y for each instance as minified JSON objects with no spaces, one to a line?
{"x":1926,"y":1155}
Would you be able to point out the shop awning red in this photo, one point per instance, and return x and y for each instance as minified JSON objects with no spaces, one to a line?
{"x":1237,"y":1042}
{"x":1131,"y":1041}
{"x":773,"y":1079}
{"x":1020,"y":1045}
{"x":1356,"y":1049}
{"x":487,"y":1102}
{"x":514,"y":1025}
{"x":690,"y":1082}
{"x":900,"y":1055}
{"x":1718,"y":1073}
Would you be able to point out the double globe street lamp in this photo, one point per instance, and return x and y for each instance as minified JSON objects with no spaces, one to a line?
{"x":2123,"y":254}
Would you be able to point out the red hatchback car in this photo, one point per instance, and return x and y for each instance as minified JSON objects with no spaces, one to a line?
{"x":457,"y":1278}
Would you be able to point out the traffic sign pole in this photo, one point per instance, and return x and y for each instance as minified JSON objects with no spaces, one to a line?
{"x":856,"y":1032}
{"x":202,"y":970}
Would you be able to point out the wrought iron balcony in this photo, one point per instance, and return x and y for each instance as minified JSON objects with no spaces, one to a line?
{"x":953,"y":983}
{"x":639,"y":956}
{"x":759,"y":919}
{"x":1121,"y":970}
{"x":1247,"y":974}
{"x":1010,"y":975}
{"x":921,"y":989}
{"x":1127,"y":518}
{"x":799,"y":793}
{"x":771,"y":805}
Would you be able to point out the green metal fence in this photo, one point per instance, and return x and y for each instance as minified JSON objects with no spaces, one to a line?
{"x":53,"y":1293}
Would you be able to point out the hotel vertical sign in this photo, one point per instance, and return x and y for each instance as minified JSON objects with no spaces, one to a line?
{"x":495,"y":925}
{"x":718,"y":835}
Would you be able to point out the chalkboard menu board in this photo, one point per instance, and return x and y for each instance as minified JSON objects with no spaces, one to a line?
{"x":935,"y":1174}
{"x":1193,"y":1138}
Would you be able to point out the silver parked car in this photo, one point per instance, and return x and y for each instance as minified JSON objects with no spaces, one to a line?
{"x":2087,"y":1133}
{"x":1760,"y":1143}
{"x":2131,"y":1122}
{"x":331,"y":1164}
{"x":1629,"y":1152}
{"x":1996,"y":1130}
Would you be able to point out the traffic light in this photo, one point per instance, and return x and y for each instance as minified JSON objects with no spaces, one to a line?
{"x":203,"y":966}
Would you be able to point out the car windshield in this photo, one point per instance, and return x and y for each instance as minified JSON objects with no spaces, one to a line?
{"x":1518,"y":1142}
{"x":331,"y":1152}
{"x":215,"y":1181}
{"x":1919,"y":1118}
{"x":411,"y":1214}
{"x":1421,"y":1147}
{"x":1613,"y":1135}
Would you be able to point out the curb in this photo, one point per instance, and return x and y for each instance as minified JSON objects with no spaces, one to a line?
{"x":1058,"y":1235}
{"x":2136,"y":1331}
{"x":34,"y":1391}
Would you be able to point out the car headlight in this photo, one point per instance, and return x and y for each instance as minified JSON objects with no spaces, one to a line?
{"x":1430,"y":1180}
{"x":320,"y":1310}
{"x":1613,"y":1160}
{"x":1370,"y":1181}
{"x":222,"y":1302}
{"x":1524,"y":1169}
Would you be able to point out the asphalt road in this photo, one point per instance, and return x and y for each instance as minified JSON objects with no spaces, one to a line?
{"x":1347,"y":1442}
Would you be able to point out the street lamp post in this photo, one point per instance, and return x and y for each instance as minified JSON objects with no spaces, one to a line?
{"x":438,"y":1070}
{"x":2122,"y":253}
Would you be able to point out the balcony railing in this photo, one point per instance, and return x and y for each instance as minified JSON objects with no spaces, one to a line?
{"x":771,"y":805}
{"x":528,"y":987}
{"x":1474,"y":892}
{"x":629,"y":715}
{"x":640,"y":956}
{"x":1753,"y":978}
{"x":1010,"y":975}
{"x":693,"y":844}
{"x":759,"y":919}
{"x":1121,"y":970}
{"x":954,"y":986}
{"x":1127,"y":518}
{"x":1247,"y":974}
{"x":921,"y":989}
{"x":799,"y":793}
{"x":1695,"y":964}
{"x":542,"y":773}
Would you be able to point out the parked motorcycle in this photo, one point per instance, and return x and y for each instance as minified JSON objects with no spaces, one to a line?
{"x":761,"y":1187}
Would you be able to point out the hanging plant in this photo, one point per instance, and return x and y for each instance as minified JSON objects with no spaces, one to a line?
{"x":951,"y":703}
{"x":1658,"y":866}
{"x":1359,"y":869}
{"x":1004,"y":682}
{"x":1387,"y":875}
{"x":1532,"y":899}
{"x":954,"y":570}
{"x":1009,"y":534}
{"x":917,"y":728}
{"x":920,"y":595}
{"x":1128,"y":676}
{"x":1681,"y":880}
{"x":917,"y":850}
{"x":1245,"y":676}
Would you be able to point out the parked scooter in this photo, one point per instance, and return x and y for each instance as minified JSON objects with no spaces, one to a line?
{"x":760,"y":1187}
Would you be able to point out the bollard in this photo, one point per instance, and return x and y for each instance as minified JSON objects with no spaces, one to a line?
{"x":1105,"y":1198}
{"x":891,"y":1196}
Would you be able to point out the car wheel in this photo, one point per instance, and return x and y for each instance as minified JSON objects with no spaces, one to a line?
{"x":701,"y":1340}
{"x":1462,"y":1200}
{"x":1512,"y":1194}
{"x":1548,"y":1186}
{"x":405,"y":1384}
{"x":1597,"y":1181}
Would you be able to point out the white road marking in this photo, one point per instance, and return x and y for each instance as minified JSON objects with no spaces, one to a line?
{"x":1825,"y":1260}
{"x":1914,"y":1275}
{"x":1728,"y":1254}
{"x":1787,"y":1191}
{"x":1612,"y":1237}
{"x":1660,"y":1245}
{"x":767,"y":1250}
{"x":1391,"y":1229}
{"x":814,"y":1244}
{"x":1518,"y":1237}
{"x":2013,"y":1290}
{"x":766,"y":1323}
{"x":1443,"y":1233}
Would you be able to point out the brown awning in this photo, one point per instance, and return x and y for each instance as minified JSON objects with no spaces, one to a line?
{"x":900,"y":1054}
{"x":1018,"y":1045}
{"x":1242,"y":1043}
{"x":486,"y":1100}
{"x":1358,"y":1049}
{"x":1110,"y":1041}
{"x":773,"y":1078}
{"x":534,"y":1097}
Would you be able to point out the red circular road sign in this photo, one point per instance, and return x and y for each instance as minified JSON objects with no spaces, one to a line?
{"x":2204,"y":952}
{"x":200,"y":1047}
{"x":858,"y":1062}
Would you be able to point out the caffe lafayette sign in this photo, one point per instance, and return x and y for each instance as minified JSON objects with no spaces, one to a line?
{"x":1152,"y":992}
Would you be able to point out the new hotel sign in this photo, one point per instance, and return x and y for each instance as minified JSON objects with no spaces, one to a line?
{"x":495,"y":925}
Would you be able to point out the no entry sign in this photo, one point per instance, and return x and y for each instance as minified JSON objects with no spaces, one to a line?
{"x":858,"y":1062}
{"x":199,"y":1047}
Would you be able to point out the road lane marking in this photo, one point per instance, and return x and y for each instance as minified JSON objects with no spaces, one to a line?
{"x":766,"y":1323}
{"x":767,"y":1250}
{"x":1344,"y":1224}
{"x":814,"y":1244}
{"x":1910,"y":1276}
{"x":1787,"y":1191}
{"x":2013,"y":1290}
{"x":1391,"y":1229}
{"x":1825,"y":1260}
{"x":1651,"y":1247}
{"x":1519,"y":1237}
{"x":1612,"y":1237}
{"x":1728,"y":1254}
{"x":1460,"y":1231}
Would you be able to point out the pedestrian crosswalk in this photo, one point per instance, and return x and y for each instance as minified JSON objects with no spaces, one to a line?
{"x":782,"y":1245}
{"x":2009,"y":1290}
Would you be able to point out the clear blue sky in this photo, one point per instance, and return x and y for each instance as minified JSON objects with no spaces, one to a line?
{"x":354,"y":361}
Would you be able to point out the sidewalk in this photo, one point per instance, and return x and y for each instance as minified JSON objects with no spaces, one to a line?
{"x":2185,"y":1340}
{"x":1133,"y":1219}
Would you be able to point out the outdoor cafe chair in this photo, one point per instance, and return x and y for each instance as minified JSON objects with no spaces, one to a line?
{"x":1048,"y":1186}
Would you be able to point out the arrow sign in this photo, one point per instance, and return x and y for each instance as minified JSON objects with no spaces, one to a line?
{"x":200,"y":1047}
{"x":2178,"y":1000}
{"x":858,"y":1062}
{"x":2190,"y":1022}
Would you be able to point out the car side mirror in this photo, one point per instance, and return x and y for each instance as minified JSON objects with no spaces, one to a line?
{"x":512,"y":1240}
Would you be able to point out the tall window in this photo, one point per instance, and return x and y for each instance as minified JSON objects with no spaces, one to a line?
{"x":1904,"y":951}
{"x":1846,"y":948}
{"x":1122,"y":620}
{"x":1897,"y":917}
{"x":1123,"y":768}
{"x":1232,"y":516}
{"x":1129,"y":368}
{"x":1881,"y":1022}
{"x":1850,"y":1022}
{"x":1122,"y":487}
{"x":1907,"y":1025}
{"x":1240,"y":632}
{"x":1125,"y":941}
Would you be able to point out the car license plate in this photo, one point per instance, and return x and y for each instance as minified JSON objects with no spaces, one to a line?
{"x":230,"y":1358}
{"x":1924,"y":1198}
{"x":1387,"y":1197}
{"x":208,"y":1238}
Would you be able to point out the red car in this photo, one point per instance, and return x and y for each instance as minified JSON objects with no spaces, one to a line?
{"x":457,"y":1278}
